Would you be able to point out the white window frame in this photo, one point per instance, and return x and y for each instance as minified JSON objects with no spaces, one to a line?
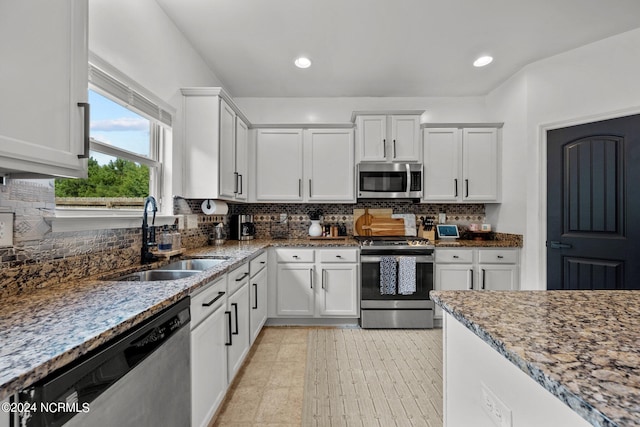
{"x":137,"y":99}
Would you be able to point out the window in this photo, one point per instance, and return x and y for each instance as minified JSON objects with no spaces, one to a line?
{"x":127,"y":137}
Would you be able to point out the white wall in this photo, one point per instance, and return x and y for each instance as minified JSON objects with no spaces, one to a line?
{"x":138,"y":39}
{"x":593,"y":82}
{"x":338,"y":110}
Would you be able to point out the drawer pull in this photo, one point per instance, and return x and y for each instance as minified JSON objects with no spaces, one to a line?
{"x":263,"y":262}
{"x":500,"y":257}
{"x":239,"y":279}
{"x":456,"y":257}
{"x":339,"y":256}
{"x":210,"y":303}
{"x":295,"y":257}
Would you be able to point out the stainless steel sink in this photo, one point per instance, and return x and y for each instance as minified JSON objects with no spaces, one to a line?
{"x":193,"y":264}
{"x":155,"y":275}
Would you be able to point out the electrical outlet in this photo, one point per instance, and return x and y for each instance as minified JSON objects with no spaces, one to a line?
{"x":6,"y":229}
{"x":192,"y":221}
{"x":499,"y":413}
{"x":283,"y":218}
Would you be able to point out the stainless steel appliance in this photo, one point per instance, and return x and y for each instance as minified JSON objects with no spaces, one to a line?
{"x":141,"y":378}
{"x":379,"y":309}
{"x":389,"y":180}
{"x":242,"y":227}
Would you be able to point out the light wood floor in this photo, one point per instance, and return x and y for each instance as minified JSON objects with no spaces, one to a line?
{"x":353,"y":377}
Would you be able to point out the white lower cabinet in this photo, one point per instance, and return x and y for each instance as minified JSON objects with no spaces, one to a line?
{"x":317,"y":283}
{"x":258,"y":295}
{"x":476,"y":268}
{"x":208,"y":351}
{"x":295,"y":294}
{"x":337,"y":297}
{"x":238,"y":345}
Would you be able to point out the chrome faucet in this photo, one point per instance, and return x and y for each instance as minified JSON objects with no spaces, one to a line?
{"x":148,"y":235}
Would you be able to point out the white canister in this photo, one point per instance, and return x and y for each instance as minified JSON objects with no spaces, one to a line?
{"x":315,"y":230}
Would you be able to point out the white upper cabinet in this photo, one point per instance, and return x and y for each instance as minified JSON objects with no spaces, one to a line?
{"x":405,"y":138}
{"x":315,"y":165}
{"x":43,"y":77}
{"x":372,"y":138}
{"x":461,"y":164}
{"x":215,"y":146}
{"x":480,"y":164}
{"x":388,"y":138}
{"x":279,"y":165}
{"x":329,"y":165}
{"x":442,"y":162}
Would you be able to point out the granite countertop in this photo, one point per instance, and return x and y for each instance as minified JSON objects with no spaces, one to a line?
{"x":47,"y":328}
{"x":582,"y":346}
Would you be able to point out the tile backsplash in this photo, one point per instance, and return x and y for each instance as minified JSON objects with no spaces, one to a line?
{"x":40,"y":257}
{"x":268,"y":225}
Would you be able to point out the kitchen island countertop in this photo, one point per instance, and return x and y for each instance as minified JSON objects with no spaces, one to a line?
{"x":582,"y":346}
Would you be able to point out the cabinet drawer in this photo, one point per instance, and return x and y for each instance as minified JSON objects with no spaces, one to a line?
{"x":338,"y":255}
{"x":294,"y":255}
{"x":238,"y":277}
{"x":208,"y":300}
{"x":258,"y":263}
{"x":497,"y":256}
{"x":454,"y":256}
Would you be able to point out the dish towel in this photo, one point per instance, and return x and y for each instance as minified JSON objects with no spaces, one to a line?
{"x":388,"y":278}
{"x":407,"y":275}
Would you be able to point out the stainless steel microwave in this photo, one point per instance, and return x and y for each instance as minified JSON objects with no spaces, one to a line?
{"x":389,"y":180}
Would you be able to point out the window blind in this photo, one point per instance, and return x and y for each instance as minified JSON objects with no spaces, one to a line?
{"x":127,"y":95}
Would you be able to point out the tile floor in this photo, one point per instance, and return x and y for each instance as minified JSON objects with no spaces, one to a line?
{"x":269,"y":389}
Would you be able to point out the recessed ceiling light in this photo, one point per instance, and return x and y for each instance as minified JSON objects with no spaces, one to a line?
{"x":482,"y":61}
{"x":302,"y":62}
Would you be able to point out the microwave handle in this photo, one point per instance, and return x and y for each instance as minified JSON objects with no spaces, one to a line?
{"x":408,"y":167}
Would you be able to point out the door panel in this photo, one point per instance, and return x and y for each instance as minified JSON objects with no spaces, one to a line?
{"x":592,"y":204}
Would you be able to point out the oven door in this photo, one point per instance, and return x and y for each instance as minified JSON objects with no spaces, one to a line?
{"x":370,"y":280}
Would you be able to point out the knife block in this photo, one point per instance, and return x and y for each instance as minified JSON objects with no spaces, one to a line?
{"x":431,"y":234}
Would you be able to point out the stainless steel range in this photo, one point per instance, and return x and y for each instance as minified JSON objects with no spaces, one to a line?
{"x":396,"y":278}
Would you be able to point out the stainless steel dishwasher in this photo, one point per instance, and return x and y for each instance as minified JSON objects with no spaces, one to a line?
{"x":141,"y":378}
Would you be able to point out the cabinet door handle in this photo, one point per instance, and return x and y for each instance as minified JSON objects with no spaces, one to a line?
{"x":500,"y":257}
{"x":471,"y":285}
{"x":483,"y":278}
{"x":455,"y":186}
{"x":299,"y":187}
{"x":295,"y":257}
{"x":210,"y":303}
{"x":339,"y":256}
{"x":394,"y":149}
{"x":466,"y":184}
{"x":255,"y":288}
{"x":263,"y":262}
{"x":240,"y":176}
{"x":235,"y":183}
{"x":311,"y":277}
{"x":309,"y":188}
{"x":235,"y":309}
{"x":239,"y":279}
{"x":323,"y":285}
{"x":86,"y":138}
{"x":384,"y":148}
{"x":229,"y":329}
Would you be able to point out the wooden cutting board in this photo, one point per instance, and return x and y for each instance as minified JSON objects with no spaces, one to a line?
{"x":381,"y":226}
{"x":363,"y":217}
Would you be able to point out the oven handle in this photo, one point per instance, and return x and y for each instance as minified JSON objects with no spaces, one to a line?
{"x":374,"y":259}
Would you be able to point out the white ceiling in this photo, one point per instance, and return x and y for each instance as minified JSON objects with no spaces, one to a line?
{"x":387,"y":47}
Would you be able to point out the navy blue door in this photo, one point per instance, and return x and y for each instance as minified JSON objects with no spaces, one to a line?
{"x":593,"y":205}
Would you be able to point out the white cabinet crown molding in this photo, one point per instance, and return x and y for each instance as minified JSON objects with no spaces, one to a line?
{"x":462,"y":125}
{"x":355,"y":114}
{"x":216,"y":91}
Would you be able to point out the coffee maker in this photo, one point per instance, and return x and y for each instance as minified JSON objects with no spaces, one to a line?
{"x":242,"y":227}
